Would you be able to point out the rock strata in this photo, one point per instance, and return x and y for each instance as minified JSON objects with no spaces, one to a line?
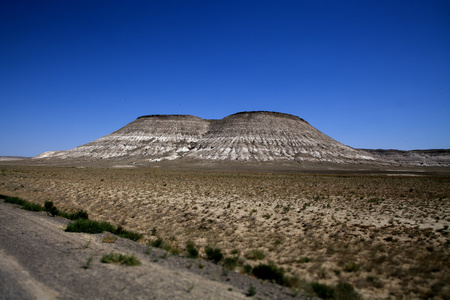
{"x":257,"y":136}
{"x":154,"y":137}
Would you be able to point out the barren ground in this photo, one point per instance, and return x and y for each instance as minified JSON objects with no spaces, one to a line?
{"x":388,"y":236}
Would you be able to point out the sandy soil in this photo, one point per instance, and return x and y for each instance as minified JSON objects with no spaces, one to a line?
{"x":388,"y":236}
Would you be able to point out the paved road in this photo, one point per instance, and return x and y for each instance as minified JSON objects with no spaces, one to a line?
{"x":39,"y":260}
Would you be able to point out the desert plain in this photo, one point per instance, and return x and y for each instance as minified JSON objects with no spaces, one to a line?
{"x":385,"y":234}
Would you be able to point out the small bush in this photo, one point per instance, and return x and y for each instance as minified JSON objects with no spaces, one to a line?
{"x":93,"y":227}
{"x":175,"y":251}
{"x":304,"y":260}
{"x":269,"y":272}
{"x":255,"y":255}
{"x":121,"y":259}
{"x":14,"y":200}
{"x":292,"y":281}
{"x":214,"y":254}
{"x":50,"y":208}
{"x":160,"y":243}
{"x":157,"y":243}
{"x":48,"y":205}
{"x":128,"y":234}
{"x":88,"y":226}
{"x":32,"y":206}
{"x":251,"y":291}
{"x":345,"y":291}
{"x":351,"y":267}
{"x":322,"y":290}
{"x":230,"y":263}
{"x":81,"y":214}
{"x":191,"y":250}
{"x":247,"y":269}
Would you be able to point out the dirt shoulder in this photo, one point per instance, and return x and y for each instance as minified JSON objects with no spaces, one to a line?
{"x":39,"y":260}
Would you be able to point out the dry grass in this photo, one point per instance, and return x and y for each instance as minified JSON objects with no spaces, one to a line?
{"x":387,"y":236}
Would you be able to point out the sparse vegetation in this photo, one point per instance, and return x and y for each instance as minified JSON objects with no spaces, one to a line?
{"x":192,"y":251}
{"x":255,"y":255}
{"x":322,"y":290}
{"x":230,"y":263}
{"x":213,"y":254}
{"x":343,"y":291}
{"x":89,"y":226}
{"x":269,"y":272}
{"x":351,"y":267}
{"x":13,"y":200}
{"x":160,"y":243}
{"x":121,"y":259}
{"x":88,"y":263}
{"x":32,"y":206}
{"x":93,"y":227}
{"x":251,"y":291}
{"x":386,"y":228}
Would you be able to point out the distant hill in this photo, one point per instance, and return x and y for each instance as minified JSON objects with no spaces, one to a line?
{"x":257,"y":136}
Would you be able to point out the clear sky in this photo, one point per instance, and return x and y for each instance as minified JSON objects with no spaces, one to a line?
{"x":370,"y":74}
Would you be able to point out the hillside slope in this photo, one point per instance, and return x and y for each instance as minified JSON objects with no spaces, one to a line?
{"x":246,"y":136}
{"x":257,"y":136}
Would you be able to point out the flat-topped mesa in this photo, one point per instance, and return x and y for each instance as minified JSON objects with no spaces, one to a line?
{"x":244,"y":136}
{"x":165,"y":117}
{"x":151,"y":137}
{"x":270,"y":136}
{"x":268,"y":113}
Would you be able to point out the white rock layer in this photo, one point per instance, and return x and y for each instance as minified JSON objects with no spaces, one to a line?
{"x":246,"y":136}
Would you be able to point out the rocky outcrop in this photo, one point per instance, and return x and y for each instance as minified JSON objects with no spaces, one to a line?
{"x":154,"y":137}
{"x":246,"y":136}
{"x":269,"y":136}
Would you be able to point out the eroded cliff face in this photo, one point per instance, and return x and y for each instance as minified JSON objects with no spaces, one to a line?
{"x":268,"y":136}
{"x":246,"y":136}
{"x":154,"y":137}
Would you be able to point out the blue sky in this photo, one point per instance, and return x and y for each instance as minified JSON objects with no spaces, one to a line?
{"x":370,"y":74}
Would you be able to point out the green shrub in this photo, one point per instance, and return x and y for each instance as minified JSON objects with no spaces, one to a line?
{"x":88,"y":226}
{"x":322,"y":290}
{"x":292,"y":281}
{"x":251,"y":291}
{"x":304,"y":260}
{"x":351,"y":267}
{"x":121,"y":259}
{"x":48,"y":205}
{"x":269,"y":272}
{"x":81,"y":214}
{"x":128,"y":234}
{"x":191,"y":250}
{"x":230,"y":263}
{"x":14,"y":200}
{"x":32,"y":206}
{"x":247,"y":269}
{"x":50,"y":208}
{"x":160,"y":243}
{"x":175,"y":251}
{"x":214,"y":254}
{"x":345,"y":291}
{"x":157,"y":243}
{"x":255,"y":255}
